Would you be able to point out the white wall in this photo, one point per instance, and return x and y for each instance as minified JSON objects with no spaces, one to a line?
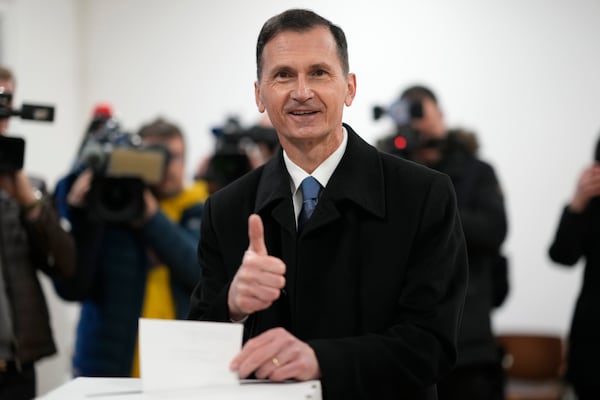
{"x":523,"y":74}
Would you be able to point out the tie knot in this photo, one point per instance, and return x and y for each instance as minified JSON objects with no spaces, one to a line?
{"x":310,"y":188}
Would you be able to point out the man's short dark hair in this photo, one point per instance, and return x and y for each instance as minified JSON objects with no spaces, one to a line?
{"x":160,"y":128}
{"x":299,"y":20}
{"x":416,"y":94}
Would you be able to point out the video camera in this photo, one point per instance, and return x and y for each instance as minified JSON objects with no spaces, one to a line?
{"x":12,"y":149}
{"x":405,"y":140}
{"x":230,"y":158}
{"x":122,"y":167}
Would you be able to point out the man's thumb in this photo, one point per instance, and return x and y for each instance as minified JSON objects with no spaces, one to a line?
{"x":256,"y":235}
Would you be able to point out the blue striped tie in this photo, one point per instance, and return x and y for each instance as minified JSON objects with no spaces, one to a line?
{"x":310,"y":194}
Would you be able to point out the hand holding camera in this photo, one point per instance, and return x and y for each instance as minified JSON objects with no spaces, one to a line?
{"x":80,"y":189}
{"x":17,"y":185}
{"x":121,"y":168}
{"x":588,"y":187}
{"x":12,"y":153}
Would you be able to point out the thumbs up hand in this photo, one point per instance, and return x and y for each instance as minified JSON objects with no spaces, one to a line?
{"x":256,"y":235}
{"x":260,"y":278}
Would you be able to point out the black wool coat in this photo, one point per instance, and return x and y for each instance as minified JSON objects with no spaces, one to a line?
{"x":375,"y":283}
{"x":577,"y":237}
{"x":483,"y":217}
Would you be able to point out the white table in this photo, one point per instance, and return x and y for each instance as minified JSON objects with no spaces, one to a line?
{"x":131,"y":389}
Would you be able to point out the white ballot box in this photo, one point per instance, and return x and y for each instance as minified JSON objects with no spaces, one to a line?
{"x":185,"y":360}
{"x":131,"y":389}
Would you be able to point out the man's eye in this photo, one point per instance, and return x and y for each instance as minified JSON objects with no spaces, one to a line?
{"x":320,"y":72}
{"x":283,"y":74}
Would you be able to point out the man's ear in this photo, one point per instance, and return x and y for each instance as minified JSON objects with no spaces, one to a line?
{"x":257,"y":99}
{"x":351,"y":90}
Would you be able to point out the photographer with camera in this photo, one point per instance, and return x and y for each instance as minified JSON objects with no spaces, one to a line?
{"x":238,"y":151}
{"x":31,"y":240}
{"x":145,"y":266}
{"x":577,"y":237}
{"x":423,"y":137}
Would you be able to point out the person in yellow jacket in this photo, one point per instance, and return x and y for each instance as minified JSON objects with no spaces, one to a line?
{"x":136,"y":269}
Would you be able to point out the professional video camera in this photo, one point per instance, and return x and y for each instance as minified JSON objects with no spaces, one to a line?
{"x":12,"y":149}
{"x":230,"y":158}
{"x":405,"y":140}
{"x":122,"y":167}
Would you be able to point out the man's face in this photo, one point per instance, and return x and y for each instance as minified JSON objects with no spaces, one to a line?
{"x":303,"y":87}
{"x":7,"y":87}
{"x":172,"y":182}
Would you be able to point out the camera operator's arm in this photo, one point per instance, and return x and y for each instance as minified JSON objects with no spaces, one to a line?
{"x":174,"y":243}
{"x":18,"y":186}
{"x":574,"y":226}
{"x":53,"y":249}
{"x":86,"y":234}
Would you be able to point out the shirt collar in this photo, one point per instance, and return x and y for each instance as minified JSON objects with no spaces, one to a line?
{"x":323,"y":172}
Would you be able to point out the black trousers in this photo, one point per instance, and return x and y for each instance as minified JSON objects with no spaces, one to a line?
{"x":587,"y":392}
{"x":17,"y":384}
{"x":478,"y":382}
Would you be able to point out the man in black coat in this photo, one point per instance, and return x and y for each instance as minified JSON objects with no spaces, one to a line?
{"x":367,"y":296}
{"x":478,"y":374}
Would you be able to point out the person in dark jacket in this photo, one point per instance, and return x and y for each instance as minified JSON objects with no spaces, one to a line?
{"x":132,"y":268}
{"x":31,"y":240}
{"x":478,"y":374}
{"x":344,"y":264}
{"x":578,"y":236}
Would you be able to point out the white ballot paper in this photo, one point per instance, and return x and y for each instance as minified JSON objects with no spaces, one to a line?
{"x":178,"y":354}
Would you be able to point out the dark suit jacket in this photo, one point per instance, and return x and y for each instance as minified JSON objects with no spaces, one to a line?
{"x":375,"y":283}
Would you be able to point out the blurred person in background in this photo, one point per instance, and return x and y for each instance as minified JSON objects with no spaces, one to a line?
{"x":144,"y":267}
{"x":578,"y":236}
{"x":425,"y":138}
{"x":238,"y":150}
{"x":31,"y":240}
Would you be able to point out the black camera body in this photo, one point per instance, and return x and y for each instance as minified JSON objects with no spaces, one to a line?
{"x":12,"y":149}
{"x":122,"y":168}
{"x":230,"y":158}
{"x":31,"y":112}
{"x":405,"y":140}
{"x":12,"y":153}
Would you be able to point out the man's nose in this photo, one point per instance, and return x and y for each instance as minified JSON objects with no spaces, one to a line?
{"x":303,"y":90}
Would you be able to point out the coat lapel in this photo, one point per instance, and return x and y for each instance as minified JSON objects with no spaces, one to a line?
{"x":348,"y":183}
{"x":274,"y":192}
